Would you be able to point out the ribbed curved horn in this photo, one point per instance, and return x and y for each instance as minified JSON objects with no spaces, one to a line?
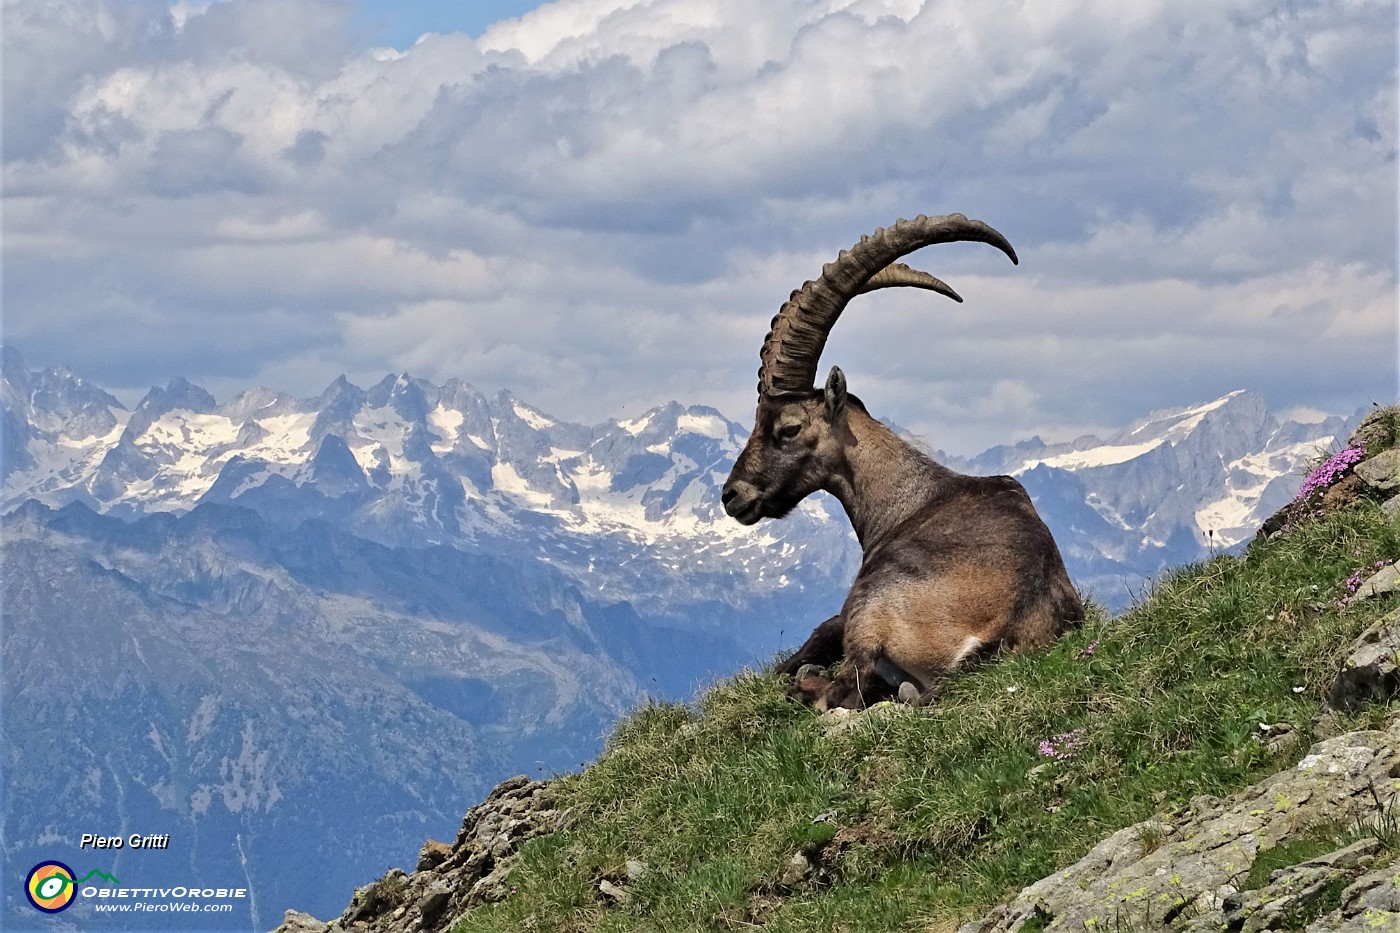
{"x":897,"y":273}
{"x":788,"y":359}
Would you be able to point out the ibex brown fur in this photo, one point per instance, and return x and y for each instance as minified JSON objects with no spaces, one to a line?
{"x":953,"y":566}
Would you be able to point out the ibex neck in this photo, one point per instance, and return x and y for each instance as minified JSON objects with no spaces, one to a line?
{"x":885,"y":480}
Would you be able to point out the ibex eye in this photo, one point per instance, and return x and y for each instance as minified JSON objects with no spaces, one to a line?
{"x":788,"y":431}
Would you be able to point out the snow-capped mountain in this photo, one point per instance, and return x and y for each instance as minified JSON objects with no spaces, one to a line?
{"x":1167,"y":489}
{"x":629,"y":509}
{"x":1221,"y":467}
{"x":236,"y":620}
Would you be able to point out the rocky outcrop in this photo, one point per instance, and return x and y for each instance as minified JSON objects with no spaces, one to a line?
{"x":1371,"y":670}
{"x":449,"y":880}
{"x":1194,"y":868}
{"x":1381,"y":472}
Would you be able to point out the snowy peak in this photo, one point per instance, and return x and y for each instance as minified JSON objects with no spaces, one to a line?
{"x":407,"y":462}
{"x":629,"y":507}
{"x":1237,"y":419}
{"x":56,"y":401}
{"x":1176,"y":424}
{"x":178,"y":395}
{"x":57,"y":426}
{"x":1215,"y":471}
{"x":258,"y":402}
{"x":403,"y":395}
{"x":639,"y":451}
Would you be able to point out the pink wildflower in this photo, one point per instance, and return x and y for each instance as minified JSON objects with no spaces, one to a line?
{"x":1329,"y":471}
{"x":1062,"y":747}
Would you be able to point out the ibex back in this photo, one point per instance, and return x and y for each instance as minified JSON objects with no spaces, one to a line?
{"x":953,"y":566}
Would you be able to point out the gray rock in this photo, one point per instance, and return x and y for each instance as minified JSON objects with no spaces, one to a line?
{"x":1370,"y":671}
{"x":373,"y":900}
{"x":432,"y":904}
{"x":1297,"y":889}
{"x":1369,"y":904}
{"x":294,"y":921}
{"x":798,"y":871}
{"x":1385,"y":580}
{"x":835,"y":721}
{"x":1374,"y":431}
{"x":838,"y":720}
{"x":1381,"y":471}
{"x":1377,"y":891}
{"x":613,"y":892}
{"x":1391,"y":508}
{"x":1181,"y":869}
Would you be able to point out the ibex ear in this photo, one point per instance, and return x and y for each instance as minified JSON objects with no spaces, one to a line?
{"x":835,"y":394}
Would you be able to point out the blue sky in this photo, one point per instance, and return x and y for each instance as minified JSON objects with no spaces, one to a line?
{"x":399,"y":23}
{"x":599,"y":204}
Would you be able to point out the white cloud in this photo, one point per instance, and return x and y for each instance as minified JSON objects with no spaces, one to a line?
{"x":604,"y":202}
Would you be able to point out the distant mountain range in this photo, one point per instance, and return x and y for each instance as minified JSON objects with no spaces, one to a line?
{"x":235,"y":622}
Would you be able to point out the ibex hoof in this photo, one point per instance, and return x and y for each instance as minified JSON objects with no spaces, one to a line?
{"x":809,"y":670}
{"x":908,"y":693}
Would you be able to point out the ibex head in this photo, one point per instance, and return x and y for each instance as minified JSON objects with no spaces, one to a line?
{"x":799,"y":431}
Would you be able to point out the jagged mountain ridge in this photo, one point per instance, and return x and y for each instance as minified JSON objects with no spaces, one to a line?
{"x":1173,"y":461}
{"x":410,"y":463}
{"x":1167,"y":489}
{"x":629,"y":508}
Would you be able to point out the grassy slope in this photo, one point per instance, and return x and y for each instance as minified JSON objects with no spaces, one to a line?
{"x":919,"y":818}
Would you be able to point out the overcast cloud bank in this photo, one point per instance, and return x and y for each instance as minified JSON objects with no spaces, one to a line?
{"x":601,"y":204}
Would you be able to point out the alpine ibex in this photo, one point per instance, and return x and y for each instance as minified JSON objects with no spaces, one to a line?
{"x":953,"y":566}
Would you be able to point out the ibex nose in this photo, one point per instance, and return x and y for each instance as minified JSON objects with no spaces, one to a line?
{"x":740,"y":501}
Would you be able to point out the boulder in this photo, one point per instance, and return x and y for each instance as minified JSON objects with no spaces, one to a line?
{"x":1370,"y":671}
{"x":1381,"y":472}
{"x":1385,"y":580}
{"x":294,"y":921}
{"x":1391,"y":508}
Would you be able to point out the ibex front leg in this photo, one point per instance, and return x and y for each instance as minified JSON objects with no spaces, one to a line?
{"x":822,"y":648}
{"x":865,"y":678}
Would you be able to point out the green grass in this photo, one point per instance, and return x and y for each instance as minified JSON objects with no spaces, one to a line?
{"x":917,"y":818}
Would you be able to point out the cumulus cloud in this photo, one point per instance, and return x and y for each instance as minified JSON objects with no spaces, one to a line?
{"x":600,"y":204}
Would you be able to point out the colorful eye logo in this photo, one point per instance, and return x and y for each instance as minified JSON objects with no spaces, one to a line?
{"x":50,"y":887}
